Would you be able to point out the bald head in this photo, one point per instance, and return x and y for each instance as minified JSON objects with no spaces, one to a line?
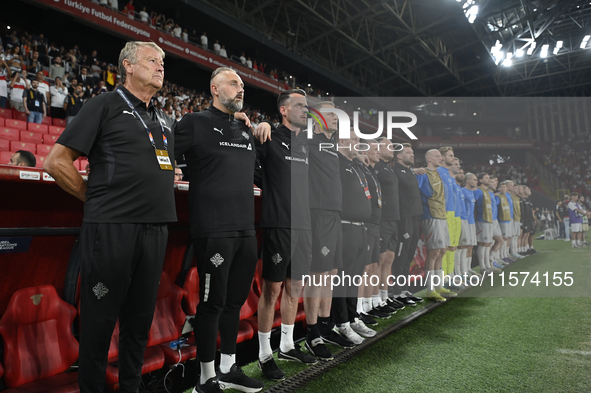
{"x":433,"y":158}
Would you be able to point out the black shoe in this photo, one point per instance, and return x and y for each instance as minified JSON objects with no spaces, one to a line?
{"x":317,"y":348}
{"x":395,"y":304}
{"x":336,"y":339}
{"x":236,"y":379}
{"x":386,"y":309}
{"x":406,"y":301}
{"x":271,"y":370}
{"x":378,"y":314}
{"x":296,"y":355}
{"x":534,"y":252}
{"x":210,"y":386}
{"x":415,"y":299}
{"x":367,"y":320}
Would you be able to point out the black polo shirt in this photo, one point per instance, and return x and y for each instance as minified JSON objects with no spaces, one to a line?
{"x":324,"y":175}
{"x":34,"y":100}
{"x":409,"y":195}
{"x":390,"y":199}
{"x":220,"y":155}
{"x":375,"y":190}
{"x":126,"y":184}
{"x":356,"y":195}
{"x":284,"y":169}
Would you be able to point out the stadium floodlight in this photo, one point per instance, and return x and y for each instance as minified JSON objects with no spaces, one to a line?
{"x":585,"y":41}
{"x":508,"y":62}
{"x":500,"y":55}
{"x":556,"y":49}
{"x":544,"y":51}
{"x":559,"y":44}
{"x":519,"y":53}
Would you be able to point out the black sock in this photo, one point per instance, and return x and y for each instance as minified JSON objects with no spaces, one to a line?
{"x":324,"y":325}
{"x":312,"y":332}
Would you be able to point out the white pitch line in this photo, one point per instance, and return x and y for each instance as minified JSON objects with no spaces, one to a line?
{"x":570,"y":351}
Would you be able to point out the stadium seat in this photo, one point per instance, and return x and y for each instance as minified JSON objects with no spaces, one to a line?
{"x":20,"y":116}
{"x":56,"y":130}
{"x":168,"y":322}
{"x":49,"y":139}
{"x":191,"y":292}
{"x":38,"y":342}
{"x":43,"y":149}
{"x":1,"y":370}
{"x":1,"y":122}
{"x":39,"y":128}
{"x":153,"y":359}
{"x":47,"y":121}
{"x":83,"y":163}
{"x":4,"y":146}
{"x":33,"y":137}
{"x":18,"y":145}
{"x":5,"y":157}
{"x":40,"y":160}
{"x":10,"y":134}
{"x":6,"y":113}
{"x":59,"y":122}
{"x":18,"y":124}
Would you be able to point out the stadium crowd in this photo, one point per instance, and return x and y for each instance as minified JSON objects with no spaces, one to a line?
{"x":569,"y":160}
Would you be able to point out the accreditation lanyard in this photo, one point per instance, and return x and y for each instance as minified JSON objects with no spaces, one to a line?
{"x":161,"y":155}
{"x":363,"y":182}
{"x":378,"y":186}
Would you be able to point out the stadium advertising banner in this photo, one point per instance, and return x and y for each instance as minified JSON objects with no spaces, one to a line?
{"x":136,"y":30}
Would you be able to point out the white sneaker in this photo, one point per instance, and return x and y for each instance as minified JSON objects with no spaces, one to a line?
{"x":501,"y":262}
{"x":349,"y":334}
{"x":359,"y":327}
{"x":518,"y":256}
{"x":472,"y":272}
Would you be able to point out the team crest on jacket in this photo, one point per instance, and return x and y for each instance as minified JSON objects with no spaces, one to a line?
{"x":304,"y":149}
{"x":245,"y":135}
{"x":217,"y":260}
{"x":276,"y":258}
{"x":100,"y":290}
{"x":325,"y":251}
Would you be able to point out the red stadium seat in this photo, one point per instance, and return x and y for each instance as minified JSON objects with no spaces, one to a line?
{"x":5,"y":157}
{"x":38,"y":341}
{"x":83,"y":163}
{"x":191,"y":292}
{"x":6,"y":113}
{"x":49,"y":139}
{"x":17,"y":145}
{"x":168,"y":322}
{"x":56,"y":130}
{"x":47,"y":121}
{"x":18,"y":124}
{"x":4,"y":146}
{"x":40,"y":160}
{"x":39,"y":128}
{"x":20,"y":116}
{"x":1,"y":122}
{"x":59,"y":122}
{"x":10,"y":134}
{"x":153,"y":359}
{"x":43,"y":149}
{"x":29,"y":136}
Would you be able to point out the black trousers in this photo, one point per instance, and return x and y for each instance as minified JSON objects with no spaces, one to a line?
{"x":408,"y":238}
{"x":226,"y":268}
{"x":355,"y":254}
{"x":120,"y":272}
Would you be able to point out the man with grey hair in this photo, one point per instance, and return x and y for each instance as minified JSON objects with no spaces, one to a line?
{"x":130,"y":145}
{"x":220,"y":155}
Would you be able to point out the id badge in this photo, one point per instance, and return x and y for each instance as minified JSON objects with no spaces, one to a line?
{"x":36,"y":102}
{"x":163,"y":160}
{"x":380,"y":201}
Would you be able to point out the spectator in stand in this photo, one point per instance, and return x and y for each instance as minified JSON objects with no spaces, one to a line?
{"x":168,"y":25}
{"x":33,"y":64}
{"x":17,"y":87}
{"x":53,"y":51}
{"x":115,"y":5}
{"x":129,"y":9}
{"x":144,"y":15}
{"x":96,"y":72}
{"x":5,"y":75}
{"x":58,"y":96}
{"x":159,"y":21}
{"x":34,"y":102}
{"x":243,"y":59}
{"x":85,"y":81}
{"x":216,"y":47}
{"x":204,"y":40}
{"x":185,"y":36}
{"x":177,"y":31}
{"x":99,"y":89}
{"x":104,"y":3}
{"x":255,"y":66}
{"x":72,"y":87}
{"x":249,"y":63}
{"x":178,"y":174}
{"x":110,"y":77}
{"x":193,"y":36}
{"x":23,"y":158}
{"x":223,"y":52}
{"x":262,"y":68}
{"x":15,"y":59}
{"x":74,"y":103}
{"x":57,"y":69}
{"x":43,"y":85}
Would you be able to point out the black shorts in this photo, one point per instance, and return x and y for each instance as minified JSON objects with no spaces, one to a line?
{"x":528,"y":227}
{"x":286,"y":253}
{"x":389,"y":236}
{"x":327,"y":240}
{"x":373,"y":236}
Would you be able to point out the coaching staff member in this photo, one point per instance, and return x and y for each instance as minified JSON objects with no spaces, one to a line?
{"x":220,"y":155}
{"x":123,"y":237}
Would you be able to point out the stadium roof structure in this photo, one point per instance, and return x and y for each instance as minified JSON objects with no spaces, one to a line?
{"x":428,"y":47}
